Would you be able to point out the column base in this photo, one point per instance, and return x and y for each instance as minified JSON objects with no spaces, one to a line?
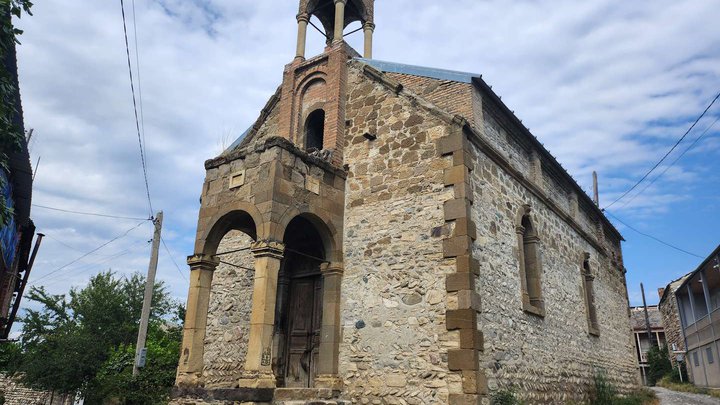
{"x":257,"y":380}
{"x":329,"y":381}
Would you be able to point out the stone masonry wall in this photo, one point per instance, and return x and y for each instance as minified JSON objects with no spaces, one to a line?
{"x":454,"y":97}
{"x":671,"y":319}
{"x":17,"y":394}
{"x":550,"y":359}
{"x":394,"y":347}
{"x":228,"y":323}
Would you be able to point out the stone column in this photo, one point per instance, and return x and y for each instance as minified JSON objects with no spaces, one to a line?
{"x":191,"y":359}
{"x":520,"y":233}
{"x":339,"y":20}
{"x":258,"y":363}
{"x":330,"y":329}
{"x":303,"y":20}
{"x":368,"y":29}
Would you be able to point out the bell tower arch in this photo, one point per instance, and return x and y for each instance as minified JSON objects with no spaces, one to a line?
{"x":334,"y":16}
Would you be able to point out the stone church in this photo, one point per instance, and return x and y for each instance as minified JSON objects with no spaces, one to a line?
{"x":393,"y":234}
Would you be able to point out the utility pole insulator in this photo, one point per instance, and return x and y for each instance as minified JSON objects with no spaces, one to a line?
{"x":140,"y":351}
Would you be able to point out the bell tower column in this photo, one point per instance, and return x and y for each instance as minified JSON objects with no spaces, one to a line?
{"x":303,"y":20}
{"x":339,"y":20}
{"x":368,"y":29}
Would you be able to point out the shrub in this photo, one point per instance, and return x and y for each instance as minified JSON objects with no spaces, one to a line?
{"x":675,"y":374}
{"x":605,"y":393}
{"x":658,"y":364}
{"x":504,"y":397}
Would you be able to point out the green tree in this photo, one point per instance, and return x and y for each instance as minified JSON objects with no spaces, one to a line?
{"x":658,"y":364}
{"x":11,"y":134}
{"x":152,"y":386}
{"x":70,"y":343}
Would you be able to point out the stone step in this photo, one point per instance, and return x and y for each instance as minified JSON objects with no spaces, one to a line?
{"x":313,"y":402}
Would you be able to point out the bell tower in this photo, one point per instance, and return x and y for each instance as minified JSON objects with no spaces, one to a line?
{"x":335,"y":15}
{"x":313,"y":93}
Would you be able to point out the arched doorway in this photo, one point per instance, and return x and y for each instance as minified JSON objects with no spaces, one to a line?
{"x":299,"y":306}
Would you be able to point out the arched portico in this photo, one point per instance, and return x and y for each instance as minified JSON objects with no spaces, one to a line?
{"x":242,"y":217}
{"x":290,"y":205}
{"x":306,"y":339}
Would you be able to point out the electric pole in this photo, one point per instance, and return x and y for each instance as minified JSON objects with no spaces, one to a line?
{"x":140,"y":351}
{"x":651,"y":338}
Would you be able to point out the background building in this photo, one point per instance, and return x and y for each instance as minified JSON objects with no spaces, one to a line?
{"x":643,"y":341}
{"x":668,"y":308}
{"x":698,"y":301}
{"x":16,"y":236}
{"x":393,"y":233}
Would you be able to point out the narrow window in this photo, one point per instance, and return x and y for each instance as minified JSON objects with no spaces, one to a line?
{"x":530,"y":265}
{"x":695,"y":359}
{"x":315,"y":130}
{"x":710,"y":355}
{"x":589,"y":288}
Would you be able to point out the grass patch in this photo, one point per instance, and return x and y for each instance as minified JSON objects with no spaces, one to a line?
{"x":667,"y":382}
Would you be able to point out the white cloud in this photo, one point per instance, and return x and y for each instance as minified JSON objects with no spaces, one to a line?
{"x":593,"y":80}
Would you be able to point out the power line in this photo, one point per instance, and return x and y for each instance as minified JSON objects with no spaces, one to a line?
{"x":89,"y":213}
{"x":653,"y":237}
{"x":90,"y":266}
{"x":173,"y":259}
{"x":135,"y":107}
{"x":666,"y":155}
{"x":673,"y":162}
{"x":89,"y":253}
{"x":139,"y":81}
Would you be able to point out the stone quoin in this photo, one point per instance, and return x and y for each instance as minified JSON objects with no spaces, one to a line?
{"x":392,"y":234}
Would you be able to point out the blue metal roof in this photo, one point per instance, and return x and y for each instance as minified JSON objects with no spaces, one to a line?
{"x":440,"y":74}
{"x":237,"y":142}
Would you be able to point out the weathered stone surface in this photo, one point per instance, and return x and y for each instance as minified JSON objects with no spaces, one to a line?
{"x":430,"y":304}
{"x":17,"y":394}
{"x":228,"y":324}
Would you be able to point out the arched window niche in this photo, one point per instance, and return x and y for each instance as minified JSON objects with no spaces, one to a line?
{"x":589,"y":290}
{"x":530,"y":263}
{"x":315,"y":130}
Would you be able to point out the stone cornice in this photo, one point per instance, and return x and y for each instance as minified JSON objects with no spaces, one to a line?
{"x":271,"y":142}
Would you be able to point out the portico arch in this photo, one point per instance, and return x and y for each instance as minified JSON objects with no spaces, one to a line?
{"x":306,"y":337}
{"x":326,"y":230}
{"x":240,"y":215}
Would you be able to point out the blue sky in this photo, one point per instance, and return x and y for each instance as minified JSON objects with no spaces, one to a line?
{"x":606,"y":85}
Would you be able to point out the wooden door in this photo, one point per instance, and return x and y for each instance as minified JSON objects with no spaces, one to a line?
{"x":303,"y":343}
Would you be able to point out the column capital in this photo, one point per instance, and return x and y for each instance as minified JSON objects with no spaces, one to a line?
{"x":368,"y":25}
{"x":520,"y":230}
{"x":332,"y":269}
{"x":344,"y":2}
{"x":267,"y":248}
{"x":202,"y":261}
{"x":303,"y":17}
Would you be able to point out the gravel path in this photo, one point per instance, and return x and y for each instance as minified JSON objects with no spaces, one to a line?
{"x":668,"y":397}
